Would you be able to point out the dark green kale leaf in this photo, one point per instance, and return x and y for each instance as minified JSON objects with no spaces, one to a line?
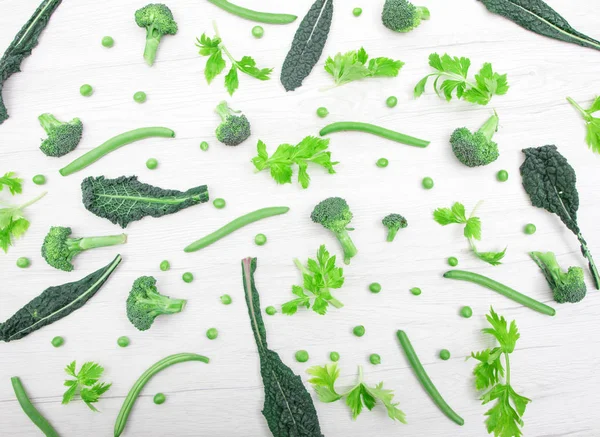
{"x":125,"y":199}
{"x":538,"y":17}
{"x":550,"y":182}
{"x":288,"y":407}
{"x":55,"y":303}
{"x":23,"y":44}
{"x":308,"y":45}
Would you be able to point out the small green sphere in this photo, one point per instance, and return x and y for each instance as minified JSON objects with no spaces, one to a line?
{"x":86,"y":90}
{"x":219,"y":203}
{"x":302,"y":356}
{"x":530,"y":229}
{"x":375,"y":287}
{"x":466,"y":312}
{"x":502,"y":175}
{"x":359,"y":330}
{"x":58,"y":341}
{"x":375,"y":359}
{"x":415,"y":290}
{"x":258,"y":32}
{"x":140,"y":97}
{"x":225,"y":299}
{"x":270,"y":310}
{"x":108,"y":42}
{"x":204,"y":146}
{"x":212,"y":333}
{"x":23,"y":262}
{"x":39,"y":179}
{"x":260,"y":239}
{"x":334,"y":356}
{"x":123,"y":341}
{"x":391,"y":101}
{"x":322,"y":112}
{"x":159,"y":398}
{"x":165,"y":265}
{"x":445,"y":354}
{"x":382,"y":163}
{"x":187,"y":277}
{"x":152,"y":163}
{"x":452,"y":261}
{"x":357,"y":12}
{"x":427,"y":183}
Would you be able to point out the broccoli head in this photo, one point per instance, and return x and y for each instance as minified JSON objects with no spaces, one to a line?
{"x":567,"y":286}
{"x":62,"y":137}
{"x":145,"y":303}
{"x":158,"y":21}
{"x":394,"y":222}
{"x":334,"y":214}
{"x":475,"y":149}
{"x":59,"y":248}
{"x":402,"y":15}
{"x":234,"y":129}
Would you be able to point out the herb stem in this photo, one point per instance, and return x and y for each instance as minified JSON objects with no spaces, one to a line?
{"x":32,"y":201}
{"x":579,"y":108}
{"x":507,"y":357}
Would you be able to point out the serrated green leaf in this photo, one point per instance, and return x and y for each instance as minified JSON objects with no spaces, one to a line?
{"x":473,"y":228}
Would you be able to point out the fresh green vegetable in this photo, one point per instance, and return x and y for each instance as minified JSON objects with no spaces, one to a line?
{"x":270,"y":310}
{"x":23,"y":44}
{"x":135,"y":391}
{"x":453,"y":71}
{"x":502,"y":289}
{"x":309,"y":150}
{"x":59,"y":248}
{"x":125,"y":199}
{"x":466,"y":312}
{"x":260,"y":239}
{"x":38,"y":179}
{"x":86,"y":384}
{"x":219,"y":203}
{"x":140,"y":97}
{"x":445,"y":354}
{"x":334,"y":214}
{"x":288,"y":407}
{"x":424,"y":379}
{"x":159,"y":398}
{"x":158,"y":20}
{"x":307,"y":46}
{"x":566,"y":286}
{"x":592,"y":124}
{"x":502,"y":176}
{"x":123,"y":341}
{"x":212,"y":333}
{"x":358,"y":397}
{"x":233,"y":226}
{"x":320,"y":277}
{"x":113,"y":144}
{"x":63,"y":137}
{"x":302,"y":356}
{"x":375,"y":287}
{"x":549,"y":180}
{"x":225,"y":299}
{"x":538,"y":17}
{"x":12,"y":182}
{"x":355,"y":65}
{"x":234,"y":129}
{"x":393,"y":223}
{"x":375,"y":359}
{"x":165,"y":265}
{"x":152,"y":163}
{"x":529,"y":229}
{"x":258,"y":32}
{"x":475,"y":149}
{"x":57,"y":341}
{"x":334,"y":356}
{"x":505,"y":418}
{"x":382,"y":162}
{"x":416,"y":291}
{"x":23,"y":262}
{"x":145,"y":303}
{"x":391,"y":101}
{"x":322,"y":112}
{"x":86,"y":90}
{"x":108,"y":41}
{"x":215,"y":49}
{"x":13,"y":223}
{"x":187,"y":277}
{"x":28,"y":408}
{"x":204,"y":146}
{"x":345,"y":126}
{"x":452,"y":261}
{"x":359,"y":330}
{"x":456,"y":215}
{"x":261,"y":17}
{"x":402,"y":15}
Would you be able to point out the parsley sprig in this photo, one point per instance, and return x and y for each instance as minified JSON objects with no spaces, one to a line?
{"x":85,"y":384}
{"x":13,"y":223}
{"x":355,"y":65}
{"x":12,"y":182}
{"x":592,"y":124}
{"x":505,"y":418}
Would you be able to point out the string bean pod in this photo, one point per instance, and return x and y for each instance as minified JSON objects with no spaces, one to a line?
{"x":249,"y":14}
{"x":374,"y":130}
{"x":35,"y":416}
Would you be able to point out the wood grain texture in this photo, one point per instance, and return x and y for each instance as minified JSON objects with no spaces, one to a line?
{"x":556,"y":360}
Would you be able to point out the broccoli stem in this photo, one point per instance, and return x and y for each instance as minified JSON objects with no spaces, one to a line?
{"x":94,"y":242}
{"x":348,"y":246}
{"x":223,"y":110}
{"x":48,"y":121}
{"x":152,"y":42}
{"x":423,"y":13}
{"x":392,"y":234}
{"x":586,"y":253}
{"x":490,"y":127}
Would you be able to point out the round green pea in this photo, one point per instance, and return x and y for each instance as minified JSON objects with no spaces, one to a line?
{"x":204,"y":146}
{"x":375,"y":359}
{"x":415,"y":290}
{"x":260,"y":239}
{"x":86,"y":90}
{"x":225,"y":299}
{"x":359,"y":330}
{"x":108,"y":41}
{"x":219,"y":203}
{"x":466,"y":312}
{"x":39,"y":179}
{"x":502,"y":175}
{"x":530,"y":229}
{"x":140,"y":97}
{"x":302,"y":356}
{"x":445,"y":354}
{"x":258,"y":32}
{"x":382,"y":163}
{"x":187,"y":277}
{"x":391,"y":101}
{"x":453,"y":261}
{"x":159,"y":398}
{"x":334,"y":356}
{"x":375,"y":287}
{"x":152,"y":163}
{"x":123,"y":341}
{"x":165,"y":265}
{"x":23,"y":262}
{"x":427,"y":183}
{"x":57,"y":341}
{"x":357,"y":12}
{"x":212,"y":333}
{"x":322,"y":112}
{"x":270,"y":310}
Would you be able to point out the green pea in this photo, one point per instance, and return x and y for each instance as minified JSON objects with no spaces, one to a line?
{"x":502,"y":175}
{"x":530,"y":229}
{"x":108,"y":41}
{"x":270,"y":310}
{"x":140,"y":97}
{"x":86,"y":90}
{"x":219,"y":203}
{"x":453,"y":261}
{"x":334,"y":356}
{"x":152,"y":163}
{"x":445,"y":354}
{"x":466,"y":312}
{"x":187,"y":277}
{"x":302,"y":356}
{"x":204,"y":146}
{"x":258,"y":32}
{"x":375,"y":359}
{"x":359,"y":330}
{"x":23,"y":262}
{"x":58,"y":341}
{"x":427,"y":183}
{"x":212,"y":333}
{"x":123,"y":341}
{"x":159,"y":398}
{"x":322,"y":112}
{"x":165,"y":265}
{"x":225,"y":299}
{"x":39,"y":179}
{"x":260,"y":239}
{"x":415,"y":290}
{"x":382,"y":163}
{"x":357,"y":12}
{"x":391,"y":101}
{"x":375,"y":287}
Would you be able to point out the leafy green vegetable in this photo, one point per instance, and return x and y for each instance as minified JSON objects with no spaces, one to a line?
{"x":592,"y":124}
{"x":214,"y":49}
{"x":308,"y":44}
{"x":23,"y":44}
{"x":55,"y":303}
{"x":320,"y":276}
{"x":456,"y":215}
{"x":158,"y":20}
{"x":505,"y":418}
{"x":310,"y":149}
{"x":13,"y":223}
{"x":550,"y":182}
{"x":351,"y":66}
{"x":358,"y":397}
{"x":86,"y":384}
{"x":145,"y":303}
{"x":538,"y":17}
{"x":453,"y":72}
{"x":12,"y":182}
{"x":124,"y":200}
{"x":63,"y":137}
{"x":288,"y":408}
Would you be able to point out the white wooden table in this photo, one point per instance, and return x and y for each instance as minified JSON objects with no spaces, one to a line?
{"x":557,"y":359}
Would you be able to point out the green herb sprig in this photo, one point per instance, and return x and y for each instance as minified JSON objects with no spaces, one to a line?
{"x":86,"y":384}
{"x":592,"y":124}
{"x":13,"y":223}
{"x":12,"y":182}
{"x":355,"y":65}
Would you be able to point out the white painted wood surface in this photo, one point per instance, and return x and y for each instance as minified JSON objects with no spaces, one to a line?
{"x":557,"y":359}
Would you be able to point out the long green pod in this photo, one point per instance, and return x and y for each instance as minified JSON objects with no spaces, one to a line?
{"x":344,"y":126}
{"x":236,"y":224}
{"x":113,"y":144}
{"x":486,"y":282}
{"x":249,"y":14}
{"x":28,"y":408}
{"x":143,"y":380}
{"x":425,"y":381}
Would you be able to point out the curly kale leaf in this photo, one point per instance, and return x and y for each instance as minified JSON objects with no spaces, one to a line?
{"x":125,"y":199}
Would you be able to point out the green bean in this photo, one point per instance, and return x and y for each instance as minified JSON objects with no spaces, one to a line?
{"x":143,"y":380}
{"x":113,"y":144}
{"x":462,"y":275}
{"x":236,"y":224}
{"x":425,"y":381}
{"x":35,"y":416}
{"x":248,"y":14}
{"x":374,"y":130}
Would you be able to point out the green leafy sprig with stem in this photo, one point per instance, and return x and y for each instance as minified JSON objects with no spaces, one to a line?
{"x":12,"y":182}
{"x":86,"y":384}
{"x":13,"y":223}
{"x":592,"y":124}
{"x":355,"y":65}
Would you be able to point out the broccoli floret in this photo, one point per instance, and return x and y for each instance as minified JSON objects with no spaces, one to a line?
{"x":145,"y":303}
{"x":62,"y":137}
{"x":475,"y":149}
{"x":158,"y":21}
{"x":234,"y":129}
{"x":334,"y":214}
{"x":394,"y":222}
{"x":567,"y":286}
{"x":59,"y":248}
{"x":402,"y":15}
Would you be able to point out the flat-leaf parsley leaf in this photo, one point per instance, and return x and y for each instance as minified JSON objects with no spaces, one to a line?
{"x":86,"y":384}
